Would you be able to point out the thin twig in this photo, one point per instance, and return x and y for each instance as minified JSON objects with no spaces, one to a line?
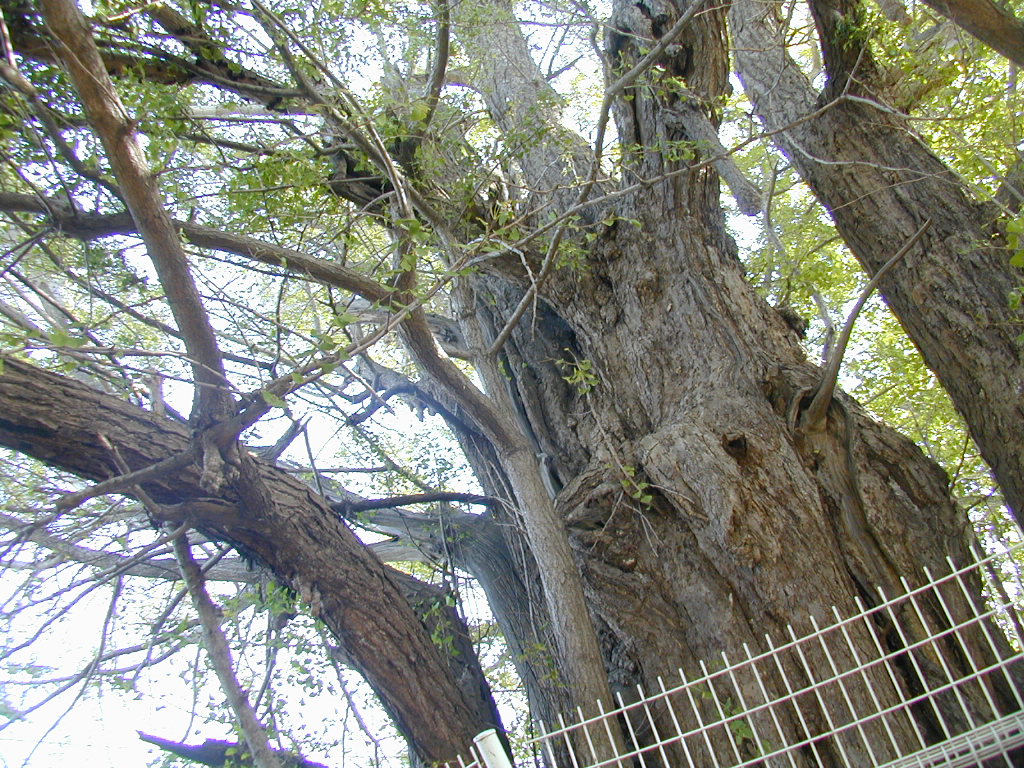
{"x":124,"y":482}
{"x":220,"y":657}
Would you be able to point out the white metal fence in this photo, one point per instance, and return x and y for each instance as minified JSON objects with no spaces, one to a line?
{"x":939,"y":685}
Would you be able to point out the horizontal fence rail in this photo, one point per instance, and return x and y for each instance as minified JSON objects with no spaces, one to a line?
{"x":930,"y":677}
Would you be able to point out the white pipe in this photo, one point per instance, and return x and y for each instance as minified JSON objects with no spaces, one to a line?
{"x":491,"y":750}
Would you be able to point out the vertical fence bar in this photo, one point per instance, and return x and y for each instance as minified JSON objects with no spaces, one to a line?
{"x":605,"y":718}
{"x":1003,"y":604}
{"x":749,"y":720}
{"x":701,"y":726}
{"x":862,"y":667}
{"x":975,"y":619}
{"x":724,"y":717}
{"x":898,"y":689}
{"x":564,"y":731}
{"x":586,"y":733}
{"x":792,"y":698}
{"x":770,"y":705}
{"x":911,"y":653}
{"x":655,"y":735}
{"x":677,"y":725}
{"x":934,"y":637}
{"x":630,"y":730}
{"x":838,"y":676}
{"x":834,"y":733}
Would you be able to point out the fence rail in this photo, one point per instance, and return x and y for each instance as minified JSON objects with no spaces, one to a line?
{"x":929,"y":677}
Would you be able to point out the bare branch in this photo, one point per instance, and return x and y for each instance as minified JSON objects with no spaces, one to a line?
{"x":420,"y":498}
{"x":220,"y":657}
{"x":125,"y":482}
{"x":814,"y":417}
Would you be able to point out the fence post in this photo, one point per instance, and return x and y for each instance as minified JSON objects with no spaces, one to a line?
{"x":491,"y":750}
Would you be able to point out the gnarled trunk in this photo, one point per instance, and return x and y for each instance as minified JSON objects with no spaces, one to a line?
{"x":751,"y":525}
{"x":703,"y":512}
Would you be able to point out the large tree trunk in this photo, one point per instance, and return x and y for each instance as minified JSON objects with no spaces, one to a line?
{"x":703,"y":511}
{"x":880,"y":182}
{"x":752,"y":520}
{"x":299,"y":538}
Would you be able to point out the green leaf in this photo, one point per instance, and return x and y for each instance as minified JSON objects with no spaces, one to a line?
{"x":273,"y":400}
{"x":62,"y":338}
{"x":408,"y":261}
{"x":419,"y":112}
{"x":741,"y":729}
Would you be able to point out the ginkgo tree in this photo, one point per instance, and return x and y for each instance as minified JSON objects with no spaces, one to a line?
{"x":509,"y":216}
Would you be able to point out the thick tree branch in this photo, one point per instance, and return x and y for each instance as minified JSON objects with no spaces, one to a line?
{"x":88,"y":226}
{"x":294,"y":534}
{"x":990,"y":22}
{"x":512,"y":86}
{"x":122,"y":483}
{"x":442,"y":49}
{"x":138,"y":186}
{"x":218,"y":753}
{"x":498,"y":427}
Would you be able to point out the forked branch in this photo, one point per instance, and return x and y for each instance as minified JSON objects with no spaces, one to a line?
{"x":814,"y":417}
{"x":116,"y":130}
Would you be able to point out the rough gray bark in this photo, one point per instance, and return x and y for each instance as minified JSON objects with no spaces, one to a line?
{"x":752,"y":522}
{"x":880,"y":183}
